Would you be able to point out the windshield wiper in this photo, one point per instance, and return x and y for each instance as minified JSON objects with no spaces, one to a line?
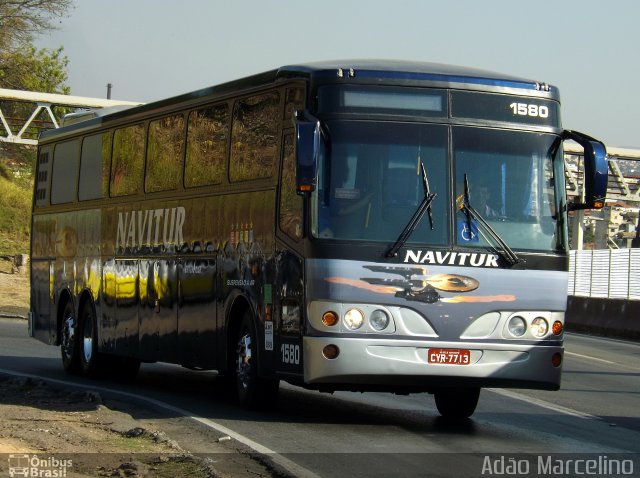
{"x":425,"y":206}
{"x":466,"y":207}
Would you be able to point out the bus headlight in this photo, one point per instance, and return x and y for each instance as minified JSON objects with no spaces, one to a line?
{"x":539,"y":327}
{"x":379,"y":319}
{"x":517,"y":326}
{"x":354,"y":319}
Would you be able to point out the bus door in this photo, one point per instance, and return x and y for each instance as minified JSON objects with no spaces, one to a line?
{"x":288,"y":282}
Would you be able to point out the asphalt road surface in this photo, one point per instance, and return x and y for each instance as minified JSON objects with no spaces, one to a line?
{"x":596,"y":414}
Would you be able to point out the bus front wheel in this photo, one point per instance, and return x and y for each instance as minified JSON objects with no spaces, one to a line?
{"x":252,"y":390}
{"x":457,"y":402}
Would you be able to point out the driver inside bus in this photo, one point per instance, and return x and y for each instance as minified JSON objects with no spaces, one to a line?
{"x":344,"y":200}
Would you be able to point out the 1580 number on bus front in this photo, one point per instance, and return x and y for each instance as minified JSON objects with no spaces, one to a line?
{"x":531,"y":110}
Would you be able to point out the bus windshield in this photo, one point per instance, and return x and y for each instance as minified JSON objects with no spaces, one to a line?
{"x":370,"y":184}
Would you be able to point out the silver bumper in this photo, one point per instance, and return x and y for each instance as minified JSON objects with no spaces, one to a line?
{"x":404,"y":363}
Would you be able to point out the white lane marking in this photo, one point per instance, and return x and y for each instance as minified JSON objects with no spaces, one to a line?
{"x":288,"y":465}
{"x":590,"y":358}
{"x":543,"y":404}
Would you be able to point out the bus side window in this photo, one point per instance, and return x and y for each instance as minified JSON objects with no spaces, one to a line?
{"x":254,"y":137}
{"x":128,"y":160}
{"x":164,"y":154}
{"x":207,"y":139}
{"x":290,"y":202}
{"x":64,"y":180}
{"x":294,"y":101}
{"x":94,"y":166}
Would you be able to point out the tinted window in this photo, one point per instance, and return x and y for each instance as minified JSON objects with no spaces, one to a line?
{"x":254,"y":143}
{"x":128,"y":159}
{"x":94,"y":166}
{"x":164,"y":153}
{"x":290,"y":202}
{"x":294,"y":101}
{"x":66,"y":159}
{"x":207,"y":140}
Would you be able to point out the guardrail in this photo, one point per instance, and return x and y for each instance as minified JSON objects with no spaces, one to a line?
{"x":604,"y":293}
{"x":605,"y":274}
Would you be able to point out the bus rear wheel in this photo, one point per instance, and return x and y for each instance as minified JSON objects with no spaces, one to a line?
{"x":457,"y":402}
{"x":252,"y":390}
{"x":69,"y":346}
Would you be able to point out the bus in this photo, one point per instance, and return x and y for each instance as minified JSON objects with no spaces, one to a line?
{"x":362,"y":226}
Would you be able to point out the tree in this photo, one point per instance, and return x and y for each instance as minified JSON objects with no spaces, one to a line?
{"x":20,"y":20}
{"x":34,"y":70}
{"x":22,"y":66}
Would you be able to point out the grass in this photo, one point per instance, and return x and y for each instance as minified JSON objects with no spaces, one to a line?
{"x":15,"y":216}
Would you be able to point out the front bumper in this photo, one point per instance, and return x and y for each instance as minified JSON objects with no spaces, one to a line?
{"x":395,"y":364}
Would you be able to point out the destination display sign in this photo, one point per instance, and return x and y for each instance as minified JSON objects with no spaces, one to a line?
{"x":507,"y":108}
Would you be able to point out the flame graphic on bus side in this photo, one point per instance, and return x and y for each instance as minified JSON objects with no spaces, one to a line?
{"x":428,"y":293}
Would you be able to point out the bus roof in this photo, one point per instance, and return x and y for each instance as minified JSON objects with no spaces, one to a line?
{"x":394,"y":71}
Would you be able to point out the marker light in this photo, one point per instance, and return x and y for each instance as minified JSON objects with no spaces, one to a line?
{"x":330,"y":351}
{"x":539,"y":327}
{"x":354,"y":319}
{"x":556,"y":360}
{"x":517,"y":326}
{"x":379,"y":319}
{"x":329,"y":318}
{"x":557,"y":328}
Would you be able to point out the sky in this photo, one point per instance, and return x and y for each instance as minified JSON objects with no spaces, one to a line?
{"x":154,"y":49}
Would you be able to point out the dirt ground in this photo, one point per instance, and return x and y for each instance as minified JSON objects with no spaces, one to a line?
{"x":78,"y":434}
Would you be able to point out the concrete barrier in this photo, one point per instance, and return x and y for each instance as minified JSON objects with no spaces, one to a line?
{"x":616,"y":318}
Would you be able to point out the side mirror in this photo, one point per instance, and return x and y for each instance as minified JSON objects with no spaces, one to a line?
{"x":307,"y":150}
{"x":596,"y":171}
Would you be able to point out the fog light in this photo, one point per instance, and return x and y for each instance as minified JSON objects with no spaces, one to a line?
{"x":354,"y":319}
{"x":329,"y":318}
{"x":556,"y":360}
{"x":557,"y":327}
{"x":517,"y":326}
{"x":379,"y":319}
{"x":539,"y":327}
{"x":330,"y":351}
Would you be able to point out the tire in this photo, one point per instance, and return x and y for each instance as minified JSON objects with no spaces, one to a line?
{"x":457,"y":402}
{"x":89,"y":356}
{"x":252,"y":391}
{"x":69,"y":343}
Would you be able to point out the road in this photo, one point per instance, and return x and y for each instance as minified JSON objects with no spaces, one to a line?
{"x":597,"y":412}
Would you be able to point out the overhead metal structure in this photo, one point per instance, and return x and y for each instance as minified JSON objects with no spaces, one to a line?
{"x":39,"y":111}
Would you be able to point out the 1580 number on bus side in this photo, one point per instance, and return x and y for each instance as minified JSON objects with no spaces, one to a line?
{"x":290,"y":354}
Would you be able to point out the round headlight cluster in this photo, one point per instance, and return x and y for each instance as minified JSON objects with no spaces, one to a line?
{"x":517,"y":326}
{"x":379,"y":319}
{"x":353,"y":319}
{"x":539,"y":327}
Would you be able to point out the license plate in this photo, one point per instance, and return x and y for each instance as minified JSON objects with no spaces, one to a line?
{"x":450,"y":356}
